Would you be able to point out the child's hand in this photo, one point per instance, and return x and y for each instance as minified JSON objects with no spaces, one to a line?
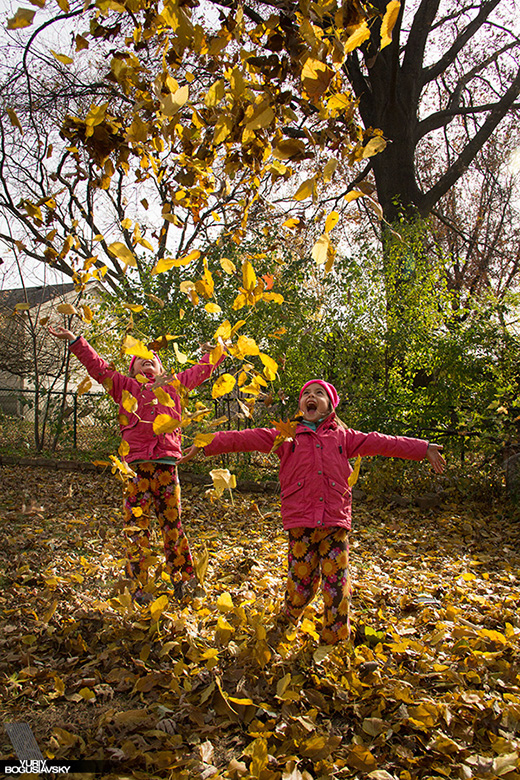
{"x":190,"y":454}
{"x":433,"y":454}
{"x":61,"y":333}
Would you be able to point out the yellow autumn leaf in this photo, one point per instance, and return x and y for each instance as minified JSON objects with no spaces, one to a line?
{"x":223,"y":331}
{"x":316,"y":77}
{"x":374,"y":146}
{"x":158,"y":606}
{"x":329,"y":170}
{"x":84,"y":386}
{"x":222,"y":480}
{"x":388,"y":23}
{"x":248,"y":276}
{"x":308,"y":627}
{"x":163,"y":397}
{"x":359,"y":36}
{"x":306,"y":189}
{"x":13,"y":117}
{"x":180,"y":356}
{"x":214,"y":94}
{"x":124,"y":449}
{"x":246,"y":346}
{"x":271,"y":366}
{"x":212,"y":308}
{"x":165,"y":423}
{"x":225,"y":602}
{"x":122,"y":253}
{"x":66,"y":308}
{"x":202,"y":439}
{"x":223,"y":385}
{"x":353,"y":478}
{"x":22,"y":307}
{"x":354,"y":195}
{"x":331,"y":221}
{"x":135,"y":347}
{"x":292,"y":222}
{"x":320,"y":249}
{"x":261,"y":120}
{"x":96,"y":115}
{"x":88,"y":314}
{"x":22,"y":18}
{"x":128,"y":401}
{"x":166,"y":263}
{"x":227,"y":265}
{"x":63,"y":58}
{"x":223,"y":128}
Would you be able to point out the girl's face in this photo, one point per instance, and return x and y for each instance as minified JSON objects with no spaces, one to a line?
{"x":314,"y":403}
{"x":147,"y":366}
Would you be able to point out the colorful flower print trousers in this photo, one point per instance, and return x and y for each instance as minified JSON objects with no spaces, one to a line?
{"x":155,"y":484}
{"x":320,"y":554}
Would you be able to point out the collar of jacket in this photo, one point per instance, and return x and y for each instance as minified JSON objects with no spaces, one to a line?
{"x":326,"y":424}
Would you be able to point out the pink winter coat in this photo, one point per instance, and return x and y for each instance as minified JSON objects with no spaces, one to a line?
{"x":314,"y":467}
{"x":137,"y":427}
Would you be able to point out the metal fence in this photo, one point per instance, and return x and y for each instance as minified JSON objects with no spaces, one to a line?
{"x":59,"y":421}
{"x":87,"y":424}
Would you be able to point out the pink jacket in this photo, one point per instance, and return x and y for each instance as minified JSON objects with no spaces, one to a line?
{"x":314,"y":468}
{"x":137,"y":427}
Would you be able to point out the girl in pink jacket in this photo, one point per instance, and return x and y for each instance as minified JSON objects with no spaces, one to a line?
{"x":153,"y":458}
{"x":316,"y":498}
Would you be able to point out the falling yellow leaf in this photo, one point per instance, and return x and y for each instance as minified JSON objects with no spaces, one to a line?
{"x":122,"y":253}
{"x":66,"y":308}
{"x":13,"y":118}
{"x":63,"y":58}
{"x":320,"y":249}
{"x":223,"y":385}
{"x":248,"y":276}
{"x":202,"y":439}
{"x":135,"y":347}
{"x":84,"y":386}
{"x":227,"y":265}
{"x":128,"y":401}
{"x":165,"y":423}
{"x":306,"y":189}
{"x":23,"y":18}
{"x":222,"y":480}
{"x":163,"y":397}
{"x":374,"y":146}
{"x":331,"y":221}
{"x":353,"y":478}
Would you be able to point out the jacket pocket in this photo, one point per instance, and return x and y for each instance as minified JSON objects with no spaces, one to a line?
{"x":339,"y":487}
{"x":291,"y":489}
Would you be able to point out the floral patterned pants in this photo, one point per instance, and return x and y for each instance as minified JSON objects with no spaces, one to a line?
{"x":314,"y":554}
{"x":157,"y":484}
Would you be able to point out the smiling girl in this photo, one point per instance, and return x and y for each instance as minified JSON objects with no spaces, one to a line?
{"x":153,"y":458}
{"x":316,"y":497}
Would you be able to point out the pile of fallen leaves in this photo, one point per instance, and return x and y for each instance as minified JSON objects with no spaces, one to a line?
{"x":429,"y":686}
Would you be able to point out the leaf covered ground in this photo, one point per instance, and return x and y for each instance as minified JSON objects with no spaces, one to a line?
{"x":429,"y":686}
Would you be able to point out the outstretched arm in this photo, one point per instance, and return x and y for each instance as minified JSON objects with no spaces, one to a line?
{"x":189,"y":454}
{"x":433,"y":455}
{"x":61,"y":333}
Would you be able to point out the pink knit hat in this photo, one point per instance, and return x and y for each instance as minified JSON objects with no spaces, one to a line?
{"x":330,"y":390}
{"x":134,"y":358}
